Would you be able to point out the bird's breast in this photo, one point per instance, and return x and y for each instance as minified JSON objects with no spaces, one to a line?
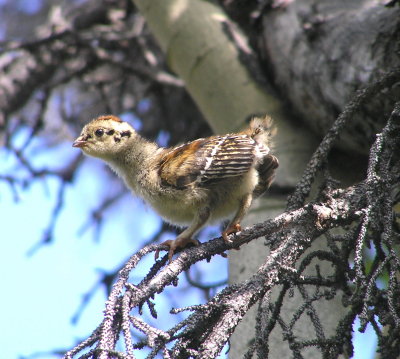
{"x":180,"y":207}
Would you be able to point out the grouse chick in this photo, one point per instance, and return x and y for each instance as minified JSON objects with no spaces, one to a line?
{"x":202,"y":181}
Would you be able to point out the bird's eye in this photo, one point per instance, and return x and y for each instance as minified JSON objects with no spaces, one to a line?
{"x":99,"y":132}
{"x":110,"y":133}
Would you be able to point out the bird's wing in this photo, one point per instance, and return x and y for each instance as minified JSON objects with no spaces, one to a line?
{"x":206,"y":161}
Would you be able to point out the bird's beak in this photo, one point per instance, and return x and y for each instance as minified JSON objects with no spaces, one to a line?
{"x":79,"y":143}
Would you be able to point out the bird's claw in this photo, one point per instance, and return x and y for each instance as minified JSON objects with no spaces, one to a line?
{"x":178,"y":243}
{"x":233,"y":228}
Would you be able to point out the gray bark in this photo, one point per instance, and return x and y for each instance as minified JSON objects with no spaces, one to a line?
{"x":321,"y":52}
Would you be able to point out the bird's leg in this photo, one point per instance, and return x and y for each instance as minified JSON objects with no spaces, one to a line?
{"x":234,"y":225}
{"x":186,"y":236}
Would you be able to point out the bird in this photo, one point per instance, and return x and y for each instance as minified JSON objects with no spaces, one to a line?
{"x":203,"y":181}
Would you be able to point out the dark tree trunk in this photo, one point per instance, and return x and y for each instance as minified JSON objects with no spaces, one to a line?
{"x":320,"y":52}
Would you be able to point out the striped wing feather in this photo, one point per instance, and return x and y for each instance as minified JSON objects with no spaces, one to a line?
{"x":207,"y":161}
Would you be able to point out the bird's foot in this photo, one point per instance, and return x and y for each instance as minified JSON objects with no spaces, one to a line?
{"x":178,"y":243}
{"x":232,"y":228}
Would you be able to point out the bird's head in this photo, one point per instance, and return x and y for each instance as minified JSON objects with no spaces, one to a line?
{"x":104,"y":137}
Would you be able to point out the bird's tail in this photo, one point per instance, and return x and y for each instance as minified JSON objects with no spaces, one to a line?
{"x":262,"y":130}
{"x":266,"y":172}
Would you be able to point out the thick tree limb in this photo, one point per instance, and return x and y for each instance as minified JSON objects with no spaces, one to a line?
{"x":300,"y":228}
